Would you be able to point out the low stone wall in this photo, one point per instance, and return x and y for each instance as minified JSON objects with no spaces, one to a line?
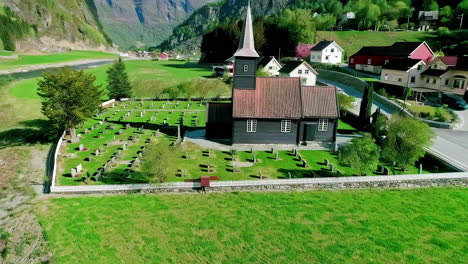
{"x":332,"y":183}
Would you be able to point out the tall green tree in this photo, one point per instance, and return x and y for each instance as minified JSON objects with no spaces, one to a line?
{"x":365,"y":111}
{"x":405,"y":141}
{"x":69,"y":97}
{"x":118,"y":84}
{"x":362,"y":154}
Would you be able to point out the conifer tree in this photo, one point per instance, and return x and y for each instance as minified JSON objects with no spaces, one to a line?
{"x":366,"y":105}
{"x":118,"y":84}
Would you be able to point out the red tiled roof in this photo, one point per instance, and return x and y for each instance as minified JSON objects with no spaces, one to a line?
{"x":285,"y":98}
{"x":272,"y":98}
{"x":449,"y":60}
{"x":319,"y":101}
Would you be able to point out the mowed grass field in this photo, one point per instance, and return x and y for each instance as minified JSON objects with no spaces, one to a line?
{"x":28,"y":60}
{"x":352,"y":226}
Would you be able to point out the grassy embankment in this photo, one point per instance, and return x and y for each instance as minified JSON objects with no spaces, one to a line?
{"x":359,"y":226}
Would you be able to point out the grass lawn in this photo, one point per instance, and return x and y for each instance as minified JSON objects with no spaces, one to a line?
{"x":171,"y":72}
{"x":430,"y":112}
{"x":345,"y":126}
{"x":352,"y":226}
{"x":26,"y":60}
{"x":6,"y":53}
{"x":113,"y":134}
{"x":352,"y":41}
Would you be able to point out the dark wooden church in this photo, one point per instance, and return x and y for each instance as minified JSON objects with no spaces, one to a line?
{"x":271,"y":110}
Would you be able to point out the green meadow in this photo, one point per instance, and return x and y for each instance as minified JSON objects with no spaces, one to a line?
{"x":352,"y":226}
{"x":28,"y":60}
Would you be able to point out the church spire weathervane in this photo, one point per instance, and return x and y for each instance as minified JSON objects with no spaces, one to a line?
{"x":246,"y":43}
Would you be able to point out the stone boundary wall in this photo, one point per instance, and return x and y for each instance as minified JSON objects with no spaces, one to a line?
{"x":390,"y":104}
{"x":57,"y":149}
{"x":401,"y":181}
{"x":108,"y":103}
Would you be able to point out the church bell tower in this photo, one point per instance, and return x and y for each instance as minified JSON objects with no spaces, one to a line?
{"x":245,"y":58}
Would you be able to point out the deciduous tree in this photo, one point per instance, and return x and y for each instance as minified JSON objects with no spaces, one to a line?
{"x":155,"y":162}
{"x":362,"y":154}
{"x":69,"y":98}
{"x":405,"y":140}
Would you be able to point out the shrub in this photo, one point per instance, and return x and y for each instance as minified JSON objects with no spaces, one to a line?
{"x":362,"y":154}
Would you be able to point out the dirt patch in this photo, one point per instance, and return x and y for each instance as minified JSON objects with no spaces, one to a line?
{"x":242,"y":164}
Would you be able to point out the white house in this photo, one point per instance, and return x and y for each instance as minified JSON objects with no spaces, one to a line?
{"x":300,"y":69}
{"x":326,"y":51}
{"x":403,"y":72}
{"x":270,"y":65}
{"x":447,"y":74}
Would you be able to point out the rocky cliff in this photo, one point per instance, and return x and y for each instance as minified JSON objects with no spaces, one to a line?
{"x":143,"y":22}
{"x":187,"y":36}
{"x":44,"y":25}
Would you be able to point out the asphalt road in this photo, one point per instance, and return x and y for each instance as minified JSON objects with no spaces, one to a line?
{"x":452,"y":144}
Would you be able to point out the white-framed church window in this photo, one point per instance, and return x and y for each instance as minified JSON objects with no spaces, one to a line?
{"x":323,"y":125}
{"x":251,"y":125}
{"x":285,"y":126}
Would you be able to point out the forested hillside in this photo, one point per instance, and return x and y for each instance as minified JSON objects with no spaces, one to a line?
{"x":44,"y":25}
{"x":375,"y":15}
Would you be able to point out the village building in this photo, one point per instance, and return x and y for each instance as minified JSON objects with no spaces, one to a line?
{"x":163,"y":56}
{"x":326,"y":51}
{"x":447,"y":74}
{"x":428,"y":20}
{"x":403,"y":72}
{"x":270,"y":65}
{"x":372,"y":59}
{"x":270,"y":110}
{"x":300,"y":69}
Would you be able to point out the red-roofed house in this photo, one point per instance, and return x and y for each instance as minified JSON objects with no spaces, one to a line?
{"x":272,"y":110}
{"x":373,"y":58}
{"x":303,"y":51}
{"x":163,"y":56}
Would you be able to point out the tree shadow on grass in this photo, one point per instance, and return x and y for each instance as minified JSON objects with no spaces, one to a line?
{"x":36,"y":131}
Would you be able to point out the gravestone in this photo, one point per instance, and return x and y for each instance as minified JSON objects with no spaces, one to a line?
{"x":140,"y":130}
{"x":96,"y":153}
{"x":140,"y":153}
{"x":304,"y":163}
{"x":327,"y":162}
{"x":81,"y":147}
{"x":380,"y":168}
{"x":100,"y":122}
{"x":332,"y":168}
{"x":277,"y":156}
{"x":420,"y":168}
{"x":90,"y":158}
{"x":289,"y":175}
{"x":141,"y":114}
{"x":120,"y":132}
{"x":137,"y":161}
{"x":124,"y":146}
{"x":79,"y":168}
{"x":127,"y":126}
{"x":254,"y":158}
{"x":73,"y":172}
{"x":260,"y":175}
{"x":101,"y":149}
{"x":86,"y":131}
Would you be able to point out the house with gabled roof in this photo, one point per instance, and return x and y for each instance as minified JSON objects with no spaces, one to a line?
{"x":373,"y":58}
{"x":270,"y":65}
{"x":300,"y":69}
{"x":447,"y":74}
{"x":271,"y":110}
{"x":403,"y":72}
{"x":326,"y":51}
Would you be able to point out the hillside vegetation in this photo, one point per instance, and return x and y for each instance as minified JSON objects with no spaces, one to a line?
{"x":43,"y":25}
{"x":359,"y":226}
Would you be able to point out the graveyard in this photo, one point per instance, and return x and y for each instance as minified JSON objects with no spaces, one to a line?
{"x":112,"y":145}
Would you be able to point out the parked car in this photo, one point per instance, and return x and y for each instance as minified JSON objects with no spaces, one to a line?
{"x":454,"y":101}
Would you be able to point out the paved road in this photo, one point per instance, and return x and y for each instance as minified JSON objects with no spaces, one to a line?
{"x":449,"y":143}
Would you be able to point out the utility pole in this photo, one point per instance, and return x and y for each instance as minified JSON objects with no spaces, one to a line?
{"x":409,"y":14}
{"x":461,"y":20}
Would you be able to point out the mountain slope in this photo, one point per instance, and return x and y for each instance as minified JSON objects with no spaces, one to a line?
{"x":44,"y":25}
{"x":143,"y":22}
{"x":189,"y":33}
